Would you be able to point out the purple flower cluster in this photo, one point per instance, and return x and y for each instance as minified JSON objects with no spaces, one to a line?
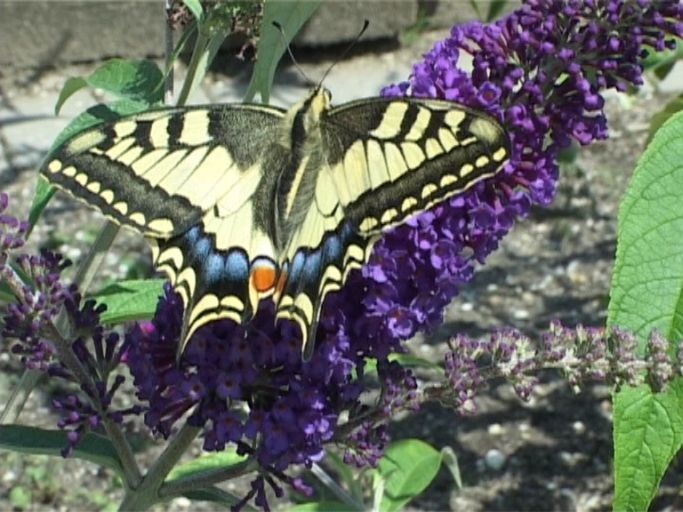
{"x":39,"y":300}
{"x":34,"y":324}
{"x":582,"y":354}
{"x":12,"y":232}
{"x":541,"y":71}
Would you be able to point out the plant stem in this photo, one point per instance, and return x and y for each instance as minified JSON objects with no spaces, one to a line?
{"x":200,"y":46}
{"x":90,"y":265}
{"x":147,"y":493}
{"x":19,"y":395}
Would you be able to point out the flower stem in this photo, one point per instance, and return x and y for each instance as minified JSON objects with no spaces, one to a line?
{"x":147,"y":493}
{"x":192,"y":68}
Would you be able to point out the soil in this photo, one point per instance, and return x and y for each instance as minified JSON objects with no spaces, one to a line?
{"x":555,"y":450}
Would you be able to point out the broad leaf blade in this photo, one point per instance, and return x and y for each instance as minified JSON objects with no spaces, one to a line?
{"x":646,"y":294}
{"x":648,"y":431}
{"x":648,"y":272}
{"x":206,"y":463}
{"x":137,"y":80}
{"x":93,"y":447}
{"x":322,"y":506}
{"x":407,"y":468}
{"x":134,"y":299}
{"x":291,"y":15}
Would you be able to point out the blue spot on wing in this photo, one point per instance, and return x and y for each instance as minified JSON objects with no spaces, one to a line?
{"x":214,"y":267}
{"x":237,"y":264}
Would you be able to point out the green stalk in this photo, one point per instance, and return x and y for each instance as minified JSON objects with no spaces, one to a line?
{"x":147,"y":493}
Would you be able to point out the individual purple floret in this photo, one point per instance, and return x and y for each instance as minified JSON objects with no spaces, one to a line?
{"x":541,"y":71}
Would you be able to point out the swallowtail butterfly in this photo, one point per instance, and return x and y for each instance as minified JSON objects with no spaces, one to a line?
{"x":242,"y":202}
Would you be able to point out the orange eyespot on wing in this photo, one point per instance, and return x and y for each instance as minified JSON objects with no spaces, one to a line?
{"x":263,"y":278}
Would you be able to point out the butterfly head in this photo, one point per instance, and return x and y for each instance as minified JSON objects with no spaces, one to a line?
{"x":317,"y":102}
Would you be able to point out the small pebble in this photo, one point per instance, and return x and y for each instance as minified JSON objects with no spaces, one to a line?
{"x":520,"y":314}
{"x":579,"y":427}
{"x":495,"y":459}
{"x":466,"y":306}
{"x":496,"y":429}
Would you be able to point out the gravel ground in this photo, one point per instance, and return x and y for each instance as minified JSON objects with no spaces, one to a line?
{"x":555,"y":451}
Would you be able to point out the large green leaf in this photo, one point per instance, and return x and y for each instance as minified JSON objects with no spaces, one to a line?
{"x":206,"y":463}
{"x":93,"y":447}
{"x":647,"y":283}
{"x":134,"y":299}
{"x":648,"y":431}
{"x":646,"y":294}
{"x":407,"y":468}
{"x":291,"y":15}
{"x":138,"y":80}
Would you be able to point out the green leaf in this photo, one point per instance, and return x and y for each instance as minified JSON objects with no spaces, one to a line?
{"x":407,"y":468}
{"x":450,"y":460}
{"x":137,"y":80}
{"x":291,"y":15}
{"x":648,"y":431}
{"x":496,"y":8}
{"x":657,"y":120}
{"x":213,"y":30}
{"x":214,"y":495}
{"x":71,"y":86}
{"x":92,"y":117}
{"x":322,"y":506}
{"x":6,"y":294}
{"x":134,"y":299}
{"x":206,"y":463}
{"x":648,"y":272}
{"x":345,"y":473}
{"x":20,"y":497}
{"x":195,"y":8}
{"x":42,"y":196}
{"x":646,"y":294}
{"x":662,"y":62}
{"x":93,"y":447}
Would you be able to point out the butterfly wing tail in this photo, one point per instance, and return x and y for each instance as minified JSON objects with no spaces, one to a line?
{"x":313,"y":273}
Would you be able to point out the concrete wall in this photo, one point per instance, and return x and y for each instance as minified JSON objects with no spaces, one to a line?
{"x":38,"y":33}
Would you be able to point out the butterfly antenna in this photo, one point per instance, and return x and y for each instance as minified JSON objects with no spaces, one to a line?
{"x":289,"y":51}
{"x":366,"y":24}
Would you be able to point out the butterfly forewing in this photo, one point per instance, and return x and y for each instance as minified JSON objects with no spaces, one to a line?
{"x":414,"y":153}
{"x":159,"y":171}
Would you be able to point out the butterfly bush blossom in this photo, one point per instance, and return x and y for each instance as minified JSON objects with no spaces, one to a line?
{"x":541,"y":71}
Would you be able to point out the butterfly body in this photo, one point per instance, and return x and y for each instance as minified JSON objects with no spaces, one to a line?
{"x":243,"y":202}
